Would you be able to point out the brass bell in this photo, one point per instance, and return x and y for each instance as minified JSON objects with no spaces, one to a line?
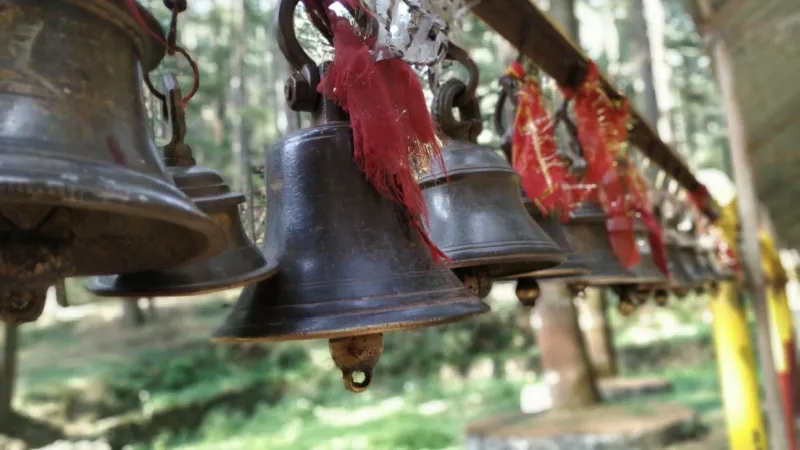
{"x":84,"y":192}
{"x":647,"y":273}
{"x":351,"y":265}
{"x":588,"y":238}
{"x":476,"y":214}
{"x":527,"y":287}
{"x":681,"y":281}
{"x":240,"y":263}
{"x":688,"y":256}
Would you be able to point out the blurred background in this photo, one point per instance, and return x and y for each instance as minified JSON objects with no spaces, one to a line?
{"x":141,"y":373}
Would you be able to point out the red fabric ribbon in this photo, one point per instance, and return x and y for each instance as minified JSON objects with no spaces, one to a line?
{"x":602,"y":128}
{"x":393,"y":133}
{"x":534,"y":155}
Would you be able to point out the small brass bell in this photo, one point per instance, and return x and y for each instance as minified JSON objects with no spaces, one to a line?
{"x":84,"y":192}
{"x":527,"y":286}
{"x":688,"y":257}
{"x":351,"y":265}
{"x":476,"y":214}
{"x":240,"y":263}
{"x":587,"y":235}
{"x":681,"y":282}
{"x":648,"y":275}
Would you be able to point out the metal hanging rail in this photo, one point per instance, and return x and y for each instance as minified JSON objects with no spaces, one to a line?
{"x":527,"y":28}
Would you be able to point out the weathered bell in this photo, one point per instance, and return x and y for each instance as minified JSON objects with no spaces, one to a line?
{"x":240,"y":263}
{"x":681,"y":281}
{"x":476,"y":214}
{"x":587,"y":235}
{"x":688,"y":256}
{"x":83,"y":189}
{"x":648,"y":275}
{"x":527,"y":286}
{"x":351,"y":265}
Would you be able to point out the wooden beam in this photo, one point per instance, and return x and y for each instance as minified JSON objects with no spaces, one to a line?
{"x":527,"y":28}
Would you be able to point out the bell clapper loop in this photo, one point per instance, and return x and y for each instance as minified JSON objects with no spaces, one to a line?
{"x":176,"y":152}
{"x":354,"y":355}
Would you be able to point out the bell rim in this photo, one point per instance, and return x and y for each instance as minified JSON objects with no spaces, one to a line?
{"x":154,"y":199}
{"x":530,"y":262}
{"x":151,"y":52}
{"x":97,"y":286}
{"x":572,"y":266}
{"x":470,"y":306}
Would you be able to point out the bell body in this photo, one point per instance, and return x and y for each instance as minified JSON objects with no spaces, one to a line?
{"x":552,"y":227}
{"x":706,"y":272}
{"x":477,"y":217}
{"x":587,"y":235}
{"x":648,"y":275}
{"x":688,"y":256}
{"x":83,"y":189}
{"x":350,"y":262}
{"x":240,"y":263}
{"x":681,"y":280}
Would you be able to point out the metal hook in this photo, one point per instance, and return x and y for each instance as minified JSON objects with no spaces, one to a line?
{"x":301,"y":88}
{"x":458,"y":54}
{"x":176,"y":152}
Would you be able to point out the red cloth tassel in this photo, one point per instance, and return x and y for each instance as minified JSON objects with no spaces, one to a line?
{"x":534,"y":155}
{"x":601,"y":130}
{"x":393,"y":134}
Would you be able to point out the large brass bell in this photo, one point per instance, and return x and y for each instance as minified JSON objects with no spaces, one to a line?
{"x":587,"y":235}
{"x":351,"y":265}
{"x":240,"y":263}
{"x":527,"y":287}
{"x":647,"y":273}
{"x":83,"y":190}
{"x":476,"y":214}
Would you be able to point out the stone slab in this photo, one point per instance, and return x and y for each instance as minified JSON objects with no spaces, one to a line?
{"x":603,"y":427}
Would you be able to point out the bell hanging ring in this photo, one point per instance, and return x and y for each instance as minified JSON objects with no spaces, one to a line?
{"x":240,"y":263}
{"x":84,"y":192}
{"x":476,"y":214}
{"x":352,"y":266}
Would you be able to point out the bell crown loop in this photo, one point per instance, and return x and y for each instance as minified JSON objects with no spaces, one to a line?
{"x":454,"y":93}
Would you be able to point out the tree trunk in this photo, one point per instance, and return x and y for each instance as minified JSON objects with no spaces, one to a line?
{"x":132,"y":315}
{"x":8,"y":373}
{"x":564,"y":358}
{"x":640,"y":50}
{"x":597,"y":333}
{"x":563,"y":13}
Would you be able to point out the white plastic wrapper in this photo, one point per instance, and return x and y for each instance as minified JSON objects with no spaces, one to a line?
{"x":415,"y":30}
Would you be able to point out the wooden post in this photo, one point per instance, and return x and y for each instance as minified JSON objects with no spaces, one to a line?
{"x":751,"y":254}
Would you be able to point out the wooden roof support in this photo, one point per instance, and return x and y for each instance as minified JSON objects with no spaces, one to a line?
{"x":527,"y":28}
{"x":750,"y":249}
